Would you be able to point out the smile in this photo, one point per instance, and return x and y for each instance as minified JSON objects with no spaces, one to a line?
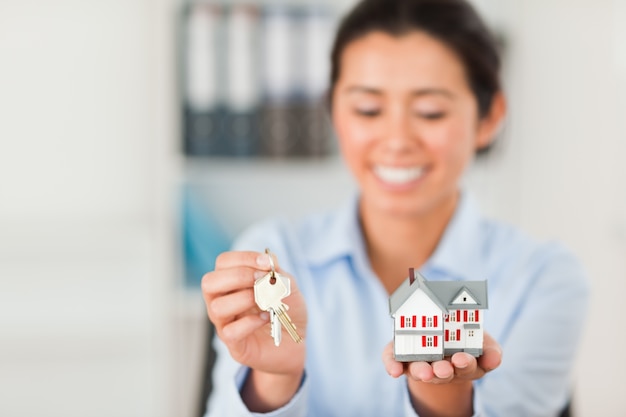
{"x":398,"y":175}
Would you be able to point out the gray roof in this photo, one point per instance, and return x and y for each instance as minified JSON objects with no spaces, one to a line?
{"x":441,"y":292}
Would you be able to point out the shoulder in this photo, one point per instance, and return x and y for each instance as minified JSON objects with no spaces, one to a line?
{"x":542,"y":263}
{"x":280,"y":229}
{"x":292,"y":240}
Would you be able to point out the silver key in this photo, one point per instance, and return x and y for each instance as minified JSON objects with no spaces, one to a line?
{"x":276,"y":330}
{"x":269,"y":292}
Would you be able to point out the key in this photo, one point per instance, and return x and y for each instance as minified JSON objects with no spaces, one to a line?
{"x":286,"y":321}
{"x":269,"y":292}
{"x":276,"y":330}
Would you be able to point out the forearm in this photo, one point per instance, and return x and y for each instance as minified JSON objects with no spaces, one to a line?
{"x":444,"y":400}
{"x":264,"y":392}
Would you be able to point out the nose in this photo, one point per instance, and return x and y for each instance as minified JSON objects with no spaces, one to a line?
{"x":399,"y":137}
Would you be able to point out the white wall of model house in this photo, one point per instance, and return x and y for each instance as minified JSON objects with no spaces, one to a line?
{"x":408,"y":340}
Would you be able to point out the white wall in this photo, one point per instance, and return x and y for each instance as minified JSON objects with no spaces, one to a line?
{"x":560,"y":174}
{"x":81,"y":299}
{"x":571,"y":118}
{"x":76,"y":80}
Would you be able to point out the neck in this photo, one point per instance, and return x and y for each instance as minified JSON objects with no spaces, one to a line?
{"x":396,"y":243}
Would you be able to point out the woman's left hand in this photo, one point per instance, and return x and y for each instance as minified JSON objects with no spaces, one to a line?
{"x":444,"y":387}
{"x":461,"y":366}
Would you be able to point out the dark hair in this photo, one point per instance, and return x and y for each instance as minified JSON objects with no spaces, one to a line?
{"x":453,"y":22}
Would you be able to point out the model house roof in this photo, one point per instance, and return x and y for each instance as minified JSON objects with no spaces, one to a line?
{"x":448,"y":295}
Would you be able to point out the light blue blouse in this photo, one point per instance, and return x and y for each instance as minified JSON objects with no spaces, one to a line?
{"x":538,"y":298}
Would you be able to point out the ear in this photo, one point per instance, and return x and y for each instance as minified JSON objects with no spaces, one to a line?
{"x":490,"y":125}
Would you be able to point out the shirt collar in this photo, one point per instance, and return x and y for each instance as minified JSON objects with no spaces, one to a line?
{"x":456,"y":257}
{"x":342,"y":235}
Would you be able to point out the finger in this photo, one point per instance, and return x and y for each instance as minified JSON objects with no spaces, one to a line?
{"x":420,"y":371}
{"x":240,"y":329}
{"x":393,"y":367}
{"x":466,"y":366}
{"x":443,"y":371}
{"x":250,"y":259}
{"x":226,"y":308}
{"x":492,"y":354}
{"x":229,"y":280}
{"x":268,"y":260}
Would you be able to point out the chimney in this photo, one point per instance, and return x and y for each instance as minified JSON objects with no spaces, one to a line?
{"x":411,"y":276}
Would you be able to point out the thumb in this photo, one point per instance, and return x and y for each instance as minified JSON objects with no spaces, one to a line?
{"x":392,"y":366}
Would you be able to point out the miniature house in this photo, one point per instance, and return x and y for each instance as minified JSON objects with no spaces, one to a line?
{"x":433,"y":319}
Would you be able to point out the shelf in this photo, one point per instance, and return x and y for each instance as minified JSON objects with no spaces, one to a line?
{"x":241,"y":192}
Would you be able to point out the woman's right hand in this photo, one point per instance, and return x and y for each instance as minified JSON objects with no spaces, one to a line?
{"x":244,"y":329}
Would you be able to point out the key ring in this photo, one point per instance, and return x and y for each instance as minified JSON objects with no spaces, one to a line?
{"x":272,"y":267}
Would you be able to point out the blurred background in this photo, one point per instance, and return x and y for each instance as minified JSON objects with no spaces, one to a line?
{"x":138,"y":137}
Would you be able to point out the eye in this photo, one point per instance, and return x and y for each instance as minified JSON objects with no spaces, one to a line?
{"x":429,"y":109}
{"x":431,"y":115}
{"x":369,"y":112}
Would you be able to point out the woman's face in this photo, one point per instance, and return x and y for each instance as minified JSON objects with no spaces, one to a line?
{"x":407,"y":121}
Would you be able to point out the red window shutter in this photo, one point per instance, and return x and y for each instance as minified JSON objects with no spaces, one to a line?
{"x":435,"y":341}
{"x":401,"y":321}
{"x":435,"y":321}
{"x":423,"y":321}
{"x":414,"y":322}
{"x":458,"y":315}
{"x":476,"y":316}
{"x":447,"y":335}
{"x":447,"y":317}
{"x":458,"y":334}
{"x":465,"y":315}
{"x":423,"y":341}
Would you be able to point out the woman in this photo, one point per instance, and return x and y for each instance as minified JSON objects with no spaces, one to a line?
{"x":414,"y":96}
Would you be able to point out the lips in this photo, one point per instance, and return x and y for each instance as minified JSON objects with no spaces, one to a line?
{"x":398,"y":175}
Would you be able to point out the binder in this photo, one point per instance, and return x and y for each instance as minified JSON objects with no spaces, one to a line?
{"x":255,"y":79}
{"x":202,"y":110}
{"x":241,"y":121}
{"x":278,"y":133}
{"x":315,"y":130}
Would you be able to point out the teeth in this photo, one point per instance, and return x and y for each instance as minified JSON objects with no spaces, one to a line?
{"x":396,"y":175}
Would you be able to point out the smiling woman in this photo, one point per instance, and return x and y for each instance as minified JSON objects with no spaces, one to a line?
{"x":415,"y":94}
{"x":408,"y":124}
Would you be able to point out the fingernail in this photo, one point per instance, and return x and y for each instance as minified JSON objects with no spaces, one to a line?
{"x":259,"y":274}
{"x":265,"y":316}
{"x":263,"y":261}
